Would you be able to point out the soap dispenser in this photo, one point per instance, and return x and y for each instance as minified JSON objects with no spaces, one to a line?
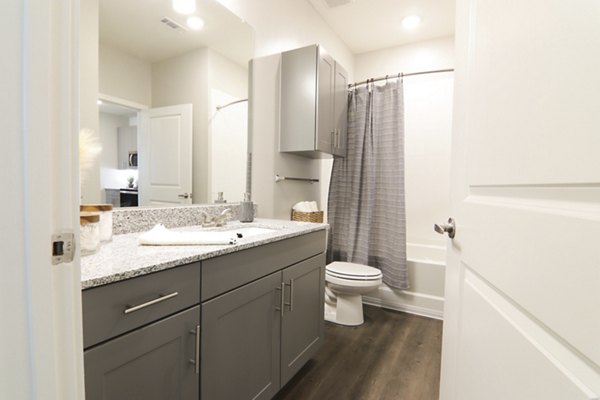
{"x":246,"y":209}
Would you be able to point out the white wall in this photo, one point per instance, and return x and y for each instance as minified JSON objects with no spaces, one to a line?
{"x":124,"y":76}
{"x":228,"y":144}
{"x":227,"y":128}
{"x":420,"y":56}
{"x":282,"y":25}
{"x":88,"y":93}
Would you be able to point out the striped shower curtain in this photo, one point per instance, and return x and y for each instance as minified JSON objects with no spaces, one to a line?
{"x":366,"y":208}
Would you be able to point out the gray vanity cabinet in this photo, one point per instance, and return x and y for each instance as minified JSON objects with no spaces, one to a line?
{"x":251,"y":346}
{"x":240,"y":342}
{"x":302,"y":325}
{"x":314,"y":103}
{"x":142,"y":337}
{"x":236,"y":326}
{"x":155,"y":362}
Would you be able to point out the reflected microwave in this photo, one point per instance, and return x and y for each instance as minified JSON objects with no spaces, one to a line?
{"x":133,"y":159}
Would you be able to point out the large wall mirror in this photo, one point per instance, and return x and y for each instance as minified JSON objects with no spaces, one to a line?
{"x":172,"y":103}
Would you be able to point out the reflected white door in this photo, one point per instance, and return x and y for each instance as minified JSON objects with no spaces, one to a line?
{"x":522,"y":316}
{"x":165,"y":155}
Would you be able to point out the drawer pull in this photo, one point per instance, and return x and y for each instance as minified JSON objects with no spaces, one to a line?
{"x":149,"y":303}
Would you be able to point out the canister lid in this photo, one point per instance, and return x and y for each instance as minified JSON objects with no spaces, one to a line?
{"x":96,"y":207}
{"x":86,"y":217}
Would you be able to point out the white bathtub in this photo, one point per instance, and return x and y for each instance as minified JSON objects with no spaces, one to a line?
{"x":426,"y":274}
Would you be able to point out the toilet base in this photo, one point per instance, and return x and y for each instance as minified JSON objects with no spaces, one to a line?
{"x":346,"y":310}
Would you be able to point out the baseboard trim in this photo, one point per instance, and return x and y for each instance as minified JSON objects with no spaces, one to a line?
{"x":398,"y":305}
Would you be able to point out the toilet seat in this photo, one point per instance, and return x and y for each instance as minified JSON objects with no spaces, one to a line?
{"x":345,"y":283}
{"x":352,"y":272}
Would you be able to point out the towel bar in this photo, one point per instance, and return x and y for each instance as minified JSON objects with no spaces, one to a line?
{"x":287,"y":178}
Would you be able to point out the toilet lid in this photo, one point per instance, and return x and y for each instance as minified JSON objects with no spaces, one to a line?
{"x":346,"y":270}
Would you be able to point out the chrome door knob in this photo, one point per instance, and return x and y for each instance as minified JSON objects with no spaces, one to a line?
{"x":449,"y":228}
{"x":185,"y":195}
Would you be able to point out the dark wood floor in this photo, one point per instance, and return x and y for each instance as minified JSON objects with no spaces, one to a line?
{"x":393,"y":355}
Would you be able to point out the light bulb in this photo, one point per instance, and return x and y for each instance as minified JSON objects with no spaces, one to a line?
{"x":411,"y":22}
{"x":195,"y":23}
{"x":185,"y":7}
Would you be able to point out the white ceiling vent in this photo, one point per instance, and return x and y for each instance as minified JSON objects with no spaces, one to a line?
{"x":173,"y":25}
{"x":337,"y":3}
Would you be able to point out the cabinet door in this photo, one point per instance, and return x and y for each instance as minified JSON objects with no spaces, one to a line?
{"x":303,"y":320}
{"x":340,"y":110}
{"x":325,"y":126}
{"x":151,"y":363}
{"x":240,"y":342}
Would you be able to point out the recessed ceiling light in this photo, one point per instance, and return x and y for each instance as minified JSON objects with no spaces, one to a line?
{"x":411,"y":22}
{"x":185,"y":7}
{"x":195,"y":22}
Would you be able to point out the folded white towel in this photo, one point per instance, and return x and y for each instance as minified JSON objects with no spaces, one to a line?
{"x":161,"y":236}
{"x":306,"y":206}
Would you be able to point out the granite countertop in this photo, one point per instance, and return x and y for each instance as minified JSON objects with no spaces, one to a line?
{"x":123,"y":258}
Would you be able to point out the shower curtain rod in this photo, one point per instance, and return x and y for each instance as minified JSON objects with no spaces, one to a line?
{"x":400,"y":75}
{"x":232,"y":103}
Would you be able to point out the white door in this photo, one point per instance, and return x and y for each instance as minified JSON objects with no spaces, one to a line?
{"x":522,"y":318}
{"x":165,"y":155}
{"x":41,"y":344}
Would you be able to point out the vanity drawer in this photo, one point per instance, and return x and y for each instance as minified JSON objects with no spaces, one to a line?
{"x":224,"y":273}
{"x":120,"y":307}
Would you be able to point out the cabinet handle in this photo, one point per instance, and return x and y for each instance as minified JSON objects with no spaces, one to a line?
{"x":291,"y":303}
{"x":131,"y":309}
{"x":196,"y":360}
{"x":282,"y":299}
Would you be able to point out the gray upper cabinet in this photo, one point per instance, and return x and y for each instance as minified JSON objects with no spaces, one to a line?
{"x":314,"y":103}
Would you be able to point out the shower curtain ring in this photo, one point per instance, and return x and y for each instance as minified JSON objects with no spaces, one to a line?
{"x":386,"y":79}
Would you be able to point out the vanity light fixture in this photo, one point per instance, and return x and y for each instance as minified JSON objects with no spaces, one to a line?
{"x":185,"y":7}
{"x":195,"y":23}
{"x":411,"y":22}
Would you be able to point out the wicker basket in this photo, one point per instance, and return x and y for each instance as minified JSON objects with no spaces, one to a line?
{"x":313,"y":216}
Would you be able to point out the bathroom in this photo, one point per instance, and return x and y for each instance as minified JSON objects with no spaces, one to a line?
{"x":522,"y":192}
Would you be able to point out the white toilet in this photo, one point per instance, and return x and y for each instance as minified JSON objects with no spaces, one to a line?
{"x":345,"y":283}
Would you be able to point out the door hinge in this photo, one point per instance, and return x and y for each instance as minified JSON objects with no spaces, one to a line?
{"x":63,"y":247}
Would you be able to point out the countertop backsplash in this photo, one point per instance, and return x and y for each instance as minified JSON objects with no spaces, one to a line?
{"x":140,"y":219}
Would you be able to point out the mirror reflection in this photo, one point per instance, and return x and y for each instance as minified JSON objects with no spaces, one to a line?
{"x":172,"y":103}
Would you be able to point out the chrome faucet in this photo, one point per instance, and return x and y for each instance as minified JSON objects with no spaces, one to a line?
{"x":217,"y":220}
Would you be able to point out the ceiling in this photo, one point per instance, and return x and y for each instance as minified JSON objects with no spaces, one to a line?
{"x":368,"y":25}
{"x":134,"y":27}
